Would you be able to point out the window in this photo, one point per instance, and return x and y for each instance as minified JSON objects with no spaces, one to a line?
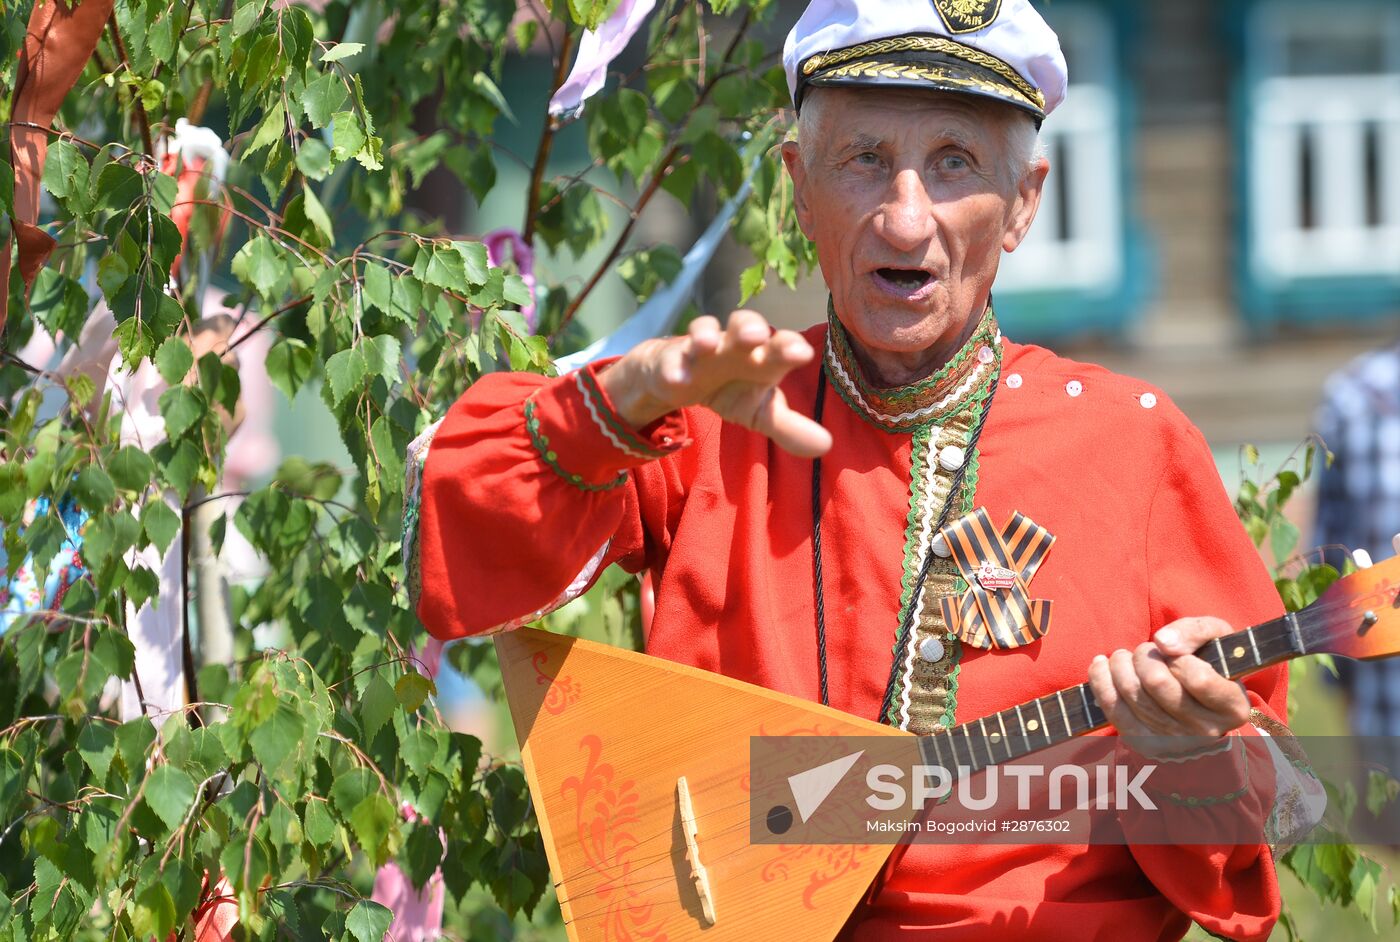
{"x":1322,"y":139}
{"x":1076,"y":242}
{"x":1073,"y":270}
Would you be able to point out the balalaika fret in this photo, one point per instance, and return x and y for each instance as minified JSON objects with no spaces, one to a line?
{"x":606,"y":778}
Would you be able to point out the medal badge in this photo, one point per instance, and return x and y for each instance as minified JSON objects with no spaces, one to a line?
{"x":996,"y":611}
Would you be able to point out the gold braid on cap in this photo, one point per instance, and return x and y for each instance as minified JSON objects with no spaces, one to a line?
{"x":926,"y":44}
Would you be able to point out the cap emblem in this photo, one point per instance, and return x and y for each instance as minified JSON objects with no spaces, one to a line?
{"x":967,"y":16}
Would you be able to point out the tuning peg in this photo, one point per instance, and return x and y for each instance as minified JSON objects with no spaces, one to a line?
{"x":1362,"y":558}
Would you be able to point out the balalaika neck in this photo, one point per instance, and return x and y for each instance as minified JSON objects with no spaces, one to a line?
{"x":1031,"y":726}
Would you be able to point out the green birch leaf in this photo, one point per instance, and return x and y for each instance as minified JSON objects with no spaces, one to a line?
{"x":160,"y":523}
{"x":347,"y":137}
{"x":65,"y":170}
{"x":516,"y":292}
{"x":131,"y":469}
{"x":181,"y":407}
{"x":341,"y":51}
{"x":379,"y":287}
{"x":368,"y":921}
{"x":377,"y":705}
{"x":381,"y":353}
{"x":317,"y":214}
{"x":474,"y":258}
{"x":751,"y":282}
{"x":94,"y":489}
{"x":97,"y":744}
{"x":373,"y":822}
{"x":351,"y":788}
{"x":270,"y":130}
{"x":260,"y":264}
{"x":118,"y":186}
{"x":153,"y":912}
{"x":170,"y":793}
{"x":317,"y":823}
{"x":1284,"y":539}
{"x":314,"y":159}
{"x":7,"y":188}
{"x":424,"y":853}
{"x":174,"y":360}
{"x":276,"y":738}
{"x":412,"y":689}
{"x":290,"y":363}
{"x":446,"y":269}
{"x":12,"y":493}
{"x":345,"y":372}
{"x":323,"y":97}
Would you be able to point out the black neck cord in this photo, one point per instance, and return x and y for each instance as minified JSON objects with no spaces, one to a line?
{"x":817,"y":410}
{"x":906,"y":624}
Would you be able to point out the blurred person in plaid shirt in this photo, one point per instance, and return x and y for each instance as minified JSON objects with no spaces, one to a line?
{"x":1358,"y":508}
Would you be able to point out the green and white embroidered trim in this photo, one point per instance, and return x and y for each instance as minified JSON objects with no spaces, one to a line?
{"x":610,"y":424}
{"x":927,"y":402}
{"x":541,"y":443}
{"x":926,"y":691}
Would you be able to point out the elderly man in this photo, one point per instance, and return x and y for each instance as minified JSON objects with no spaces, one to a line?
{"x":805,"y":500}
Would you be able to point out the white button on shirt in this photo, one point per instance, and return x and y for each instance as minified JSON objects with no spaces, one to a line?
{"x":1074,"y":387}
{"x":931,"y":649}
{"x":951,"y":458}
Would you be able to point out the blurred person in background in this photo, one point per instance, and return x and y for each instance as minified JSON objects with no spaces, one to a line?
{"x":1358,"y":508}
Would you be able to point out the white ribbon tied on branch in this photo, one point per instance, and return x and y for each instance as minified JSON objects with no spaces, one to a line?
{"x":596,"y":51}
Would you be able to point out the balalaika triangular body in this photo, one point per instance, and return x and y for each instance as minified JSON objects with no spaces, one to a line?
{"x":639,"y":769}
{"x":606,"y":734}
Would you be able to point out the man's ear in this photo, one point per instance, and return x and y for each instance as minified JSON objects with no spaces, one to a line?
{"x":1025,"y":204}
{"x":797,"y":170}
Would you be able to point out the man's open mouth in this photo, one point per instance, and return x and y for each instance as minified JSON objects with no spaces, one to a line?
{"x":907,"y":279}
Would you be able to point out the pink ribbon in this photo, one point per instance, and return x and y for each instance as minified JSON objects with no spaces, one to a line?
{"x":596,"y":51}
{"x":524,"y":258}
{"x":417,"y":913}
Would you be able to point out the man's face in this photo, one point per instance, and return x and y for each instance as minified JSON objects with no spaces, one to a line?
{"x":910,"y":199}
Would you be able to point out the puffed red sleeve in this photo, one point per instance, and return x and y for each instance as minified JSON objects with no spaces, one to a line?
{"x":1201,"y":562}
{"x":524,"y":492}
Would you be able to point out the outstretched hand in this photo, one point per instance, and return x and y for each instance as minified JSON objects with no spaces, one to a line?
{"x":733,"y":370}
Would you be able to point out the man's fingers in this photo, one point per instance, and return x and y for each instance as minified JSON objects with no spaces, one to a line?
{"x":1208,"y":715}
{"x":791,"y":430}
{"x":1106,"y":695}
{"x":746,"y":329}
{"x":1123,"y":670}
{"x":705,"y":335}
{"x":1219,"y":698}
{"x":1186,"y":635}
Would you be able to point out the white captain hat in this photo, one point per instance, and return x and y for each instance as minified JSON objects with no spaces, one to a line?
{"x":999,"y":49}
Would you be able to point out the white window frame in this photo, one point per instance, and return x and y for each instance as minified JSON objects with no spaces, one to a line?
{"x":1086,"y":127}
{"x":1335,"y":111}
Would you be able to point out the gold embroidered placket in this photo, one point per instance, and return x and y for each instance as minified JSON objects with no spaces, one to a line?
{"x":925,"y":690}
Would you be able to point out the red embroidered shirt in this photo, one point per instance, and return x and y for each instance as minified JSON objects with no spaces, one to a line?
{"x":532,"y":484}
